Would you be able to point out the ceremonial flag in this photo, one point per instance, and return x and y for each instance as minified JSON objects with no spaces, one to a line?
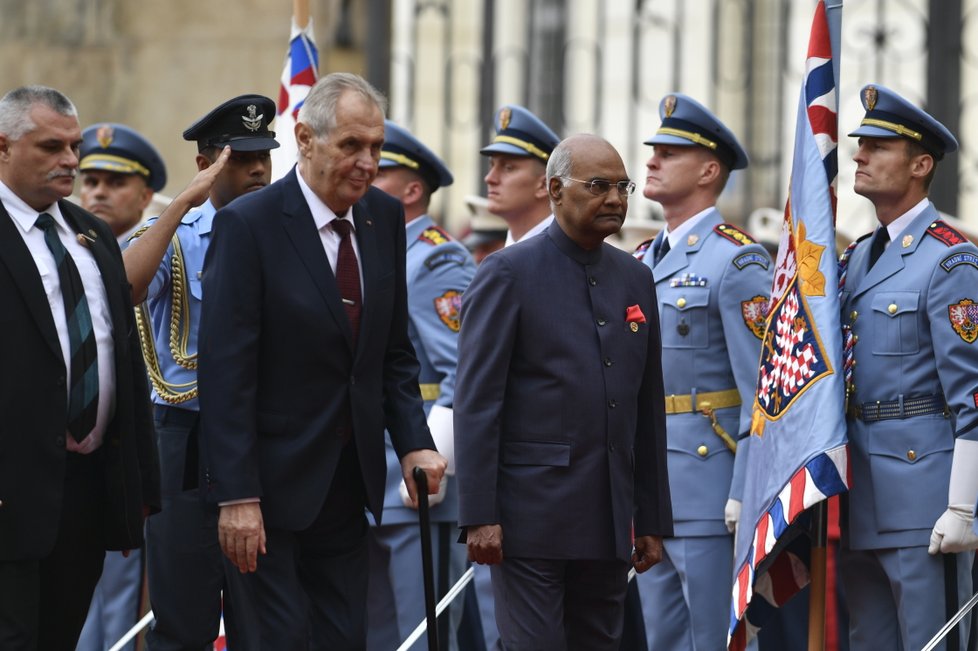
{"x":797,"y":454}
{"x":299,"y":74}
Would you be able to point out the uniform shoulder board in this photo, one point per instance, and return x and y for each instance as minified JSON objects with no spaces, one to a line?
{"x":734,"y":234}
{"x":434,"y":236}
{"x":943,"y":232}
{"x":639,"y":252}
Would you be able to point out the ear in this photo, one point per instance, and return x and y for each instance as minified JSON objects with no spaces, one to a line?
{"x":921,"y":166}
{"x":303,"y":138}
{"x":542,"y":191}
{"x":203,"y":162}
{"x":413,"y":192}
{"x":147,"y":196}
{"x":555,"y":190}
{"x":710,"y":171}
{"x":4,"y":146}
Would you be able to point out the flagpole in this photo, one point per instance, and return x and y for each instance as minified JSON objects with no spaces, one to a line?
{"x":300,"y":13}
{"x":816,"y":595}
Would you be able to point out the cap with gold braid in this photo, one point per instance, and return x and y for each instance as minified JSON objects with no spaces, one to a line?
{"x":401,"y":149}
{"x":686,"y":122}
{"x":520,"y":133}
{"x":890,"y":116}
{"x":120,"y":149}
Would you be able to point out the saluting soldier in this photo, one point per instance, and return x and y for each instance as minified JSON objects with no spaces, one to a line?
{"x":910,"y":320}
{"x":164,"y":264}
{"x":439,"y":269}
{"x":712,"y":282}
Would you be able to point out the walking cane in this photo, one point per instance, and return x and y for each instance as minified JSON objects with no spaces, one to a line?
{"x":421,"y":480}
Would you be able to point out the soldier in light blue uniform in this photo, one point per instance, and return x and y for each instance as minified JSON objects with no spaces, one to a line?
{"x":910,"y":320}
{"x":439,"y":270}
{"x":712,"y":282}
{"x":164,"y":264}
{"x":120,"y":171}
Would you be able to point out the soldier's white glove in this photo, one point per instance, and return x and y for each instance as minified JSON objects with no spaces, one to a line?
{"x":954,"y":530}
{"x":441,"y":422}
{"x":433,"y":500}
{"x":731,"y":514}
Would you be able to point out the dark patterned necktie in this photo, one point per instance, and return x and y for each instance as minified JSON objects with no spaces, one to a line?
{"x":348,"y":275}
{"x":83,"y":393}
{"x":662,"y":250}
{"x":878,"y":245}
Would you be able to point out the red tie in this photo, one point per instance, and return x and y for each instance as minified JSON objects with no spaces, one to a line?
{"x":348,"y":275}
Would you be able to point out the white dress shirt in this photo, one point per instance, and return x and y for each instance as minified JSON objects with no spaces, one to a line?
{"x":536,"y":230}
{"x":25,"y":216}
{"x":323,"y":216}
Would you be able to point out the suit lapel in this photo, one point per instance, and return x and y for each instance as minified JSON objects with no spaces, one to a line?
{"x":17,"y":257}
{"x":301,"y":230}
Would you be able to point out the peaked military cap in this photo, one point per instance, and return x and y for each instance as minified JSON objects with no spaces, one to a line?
{"x":401,"y":149}
{"x":890,"y":116}
{"x":687,"y":122}
{"x":120,"y":149}
{"x":520,"y":133}
{"x":241,"y":122}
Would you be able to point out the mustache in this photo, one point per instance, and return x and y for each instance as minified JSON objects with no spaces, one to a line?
{"x":56,"y":174}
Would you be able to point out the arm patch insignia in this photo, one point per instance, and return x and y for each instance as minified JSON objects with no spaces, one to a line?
{"x":445,"y":257}
{"x":957,"y":259}
{"x":754,"y":312}
{"x":434,"y":236}
{"x":942,"y":232}
{"x":734,"y":234}
{"x":964,"y":319}
{"x":751,"y":258}
{"x":639,"y":253}
{"x":448,"y":307}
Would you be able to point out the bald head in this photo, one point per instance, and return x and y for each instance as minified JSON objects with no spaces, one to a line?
{"x":583,"y":177}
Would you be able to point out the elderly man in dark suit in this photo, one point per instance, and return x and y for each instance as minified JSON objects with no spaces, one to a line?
{"x":560,"y":416}
{"x":304,"y":359}
{"x":78,"y":466}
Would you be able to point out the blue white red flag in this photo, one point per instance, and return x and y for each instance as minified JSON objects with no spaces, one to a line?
{"x":797,"y":454}
{"x":299,"y":74}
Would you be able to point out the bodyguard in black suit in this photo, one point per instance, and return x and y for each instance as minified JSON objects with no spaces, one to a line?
{"x":560,"y":416}
{"x":78,"y":467}
{"x":304,"y":360}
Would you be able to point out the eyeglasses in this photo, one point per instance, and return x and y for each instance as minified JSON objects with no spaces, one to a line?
{"x":601,"y":187}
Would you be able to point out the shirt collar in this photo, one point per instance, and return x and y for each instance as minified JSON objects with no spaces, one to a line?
{"x":675,"y":237}
{"x":25,"y":216}
{"x":898,"y":225}
{"x":321,"y":213}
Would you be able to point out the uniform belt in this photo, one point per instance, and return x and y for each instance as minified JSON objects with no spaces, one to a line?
{"x":430,"y":391}
{"x":870,"y":412}
{"x":694,"y":402}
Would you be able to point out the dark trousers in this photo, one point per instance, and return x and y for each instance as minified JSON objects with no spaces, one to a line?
{"x":44,"y":602}
{"x":186,"y":567}
{"x":557,"y":605}
{"x":310,"y":588}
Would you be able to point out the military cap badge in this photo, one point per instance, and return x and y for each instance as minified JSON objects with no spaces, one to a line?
{"x":870,"y":95}
{"x":105,"y":135}
{"x":670,"y":105}
{"x":505,"y":116}
{"x":252,"y":121}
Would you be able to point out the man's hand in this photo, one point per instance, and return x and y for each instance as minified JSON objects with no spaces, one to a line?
{"x":242,"y":534}
{"x":485,"y":544}
{"x":731,"y":515}
{"x":648,"y":552}
{"x":431,"y":462}
{"x":200,"y":186}
{"x":953,"y":532}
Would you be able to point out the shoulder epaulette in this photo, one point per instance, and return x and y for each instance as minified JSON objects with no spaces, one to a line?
{"x":639,"y":252}
{"x":434,"y":235}
{"x":943,"y":232}
{"x":734,"y":234}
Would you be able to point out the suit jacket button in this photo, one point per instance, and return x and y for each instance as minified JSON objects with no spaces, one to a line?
{"x":592,"y":281}
{"x":911,"y":455}
{"x":353,"y":379}
{"x":611,"y":446}
{"x":702,"y":450}
{"x":61,"y":381}
{"x":59,"y":441}
{"x":607,"y":361}
{"x":612,"y":404}
{"x":601,"y":322}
